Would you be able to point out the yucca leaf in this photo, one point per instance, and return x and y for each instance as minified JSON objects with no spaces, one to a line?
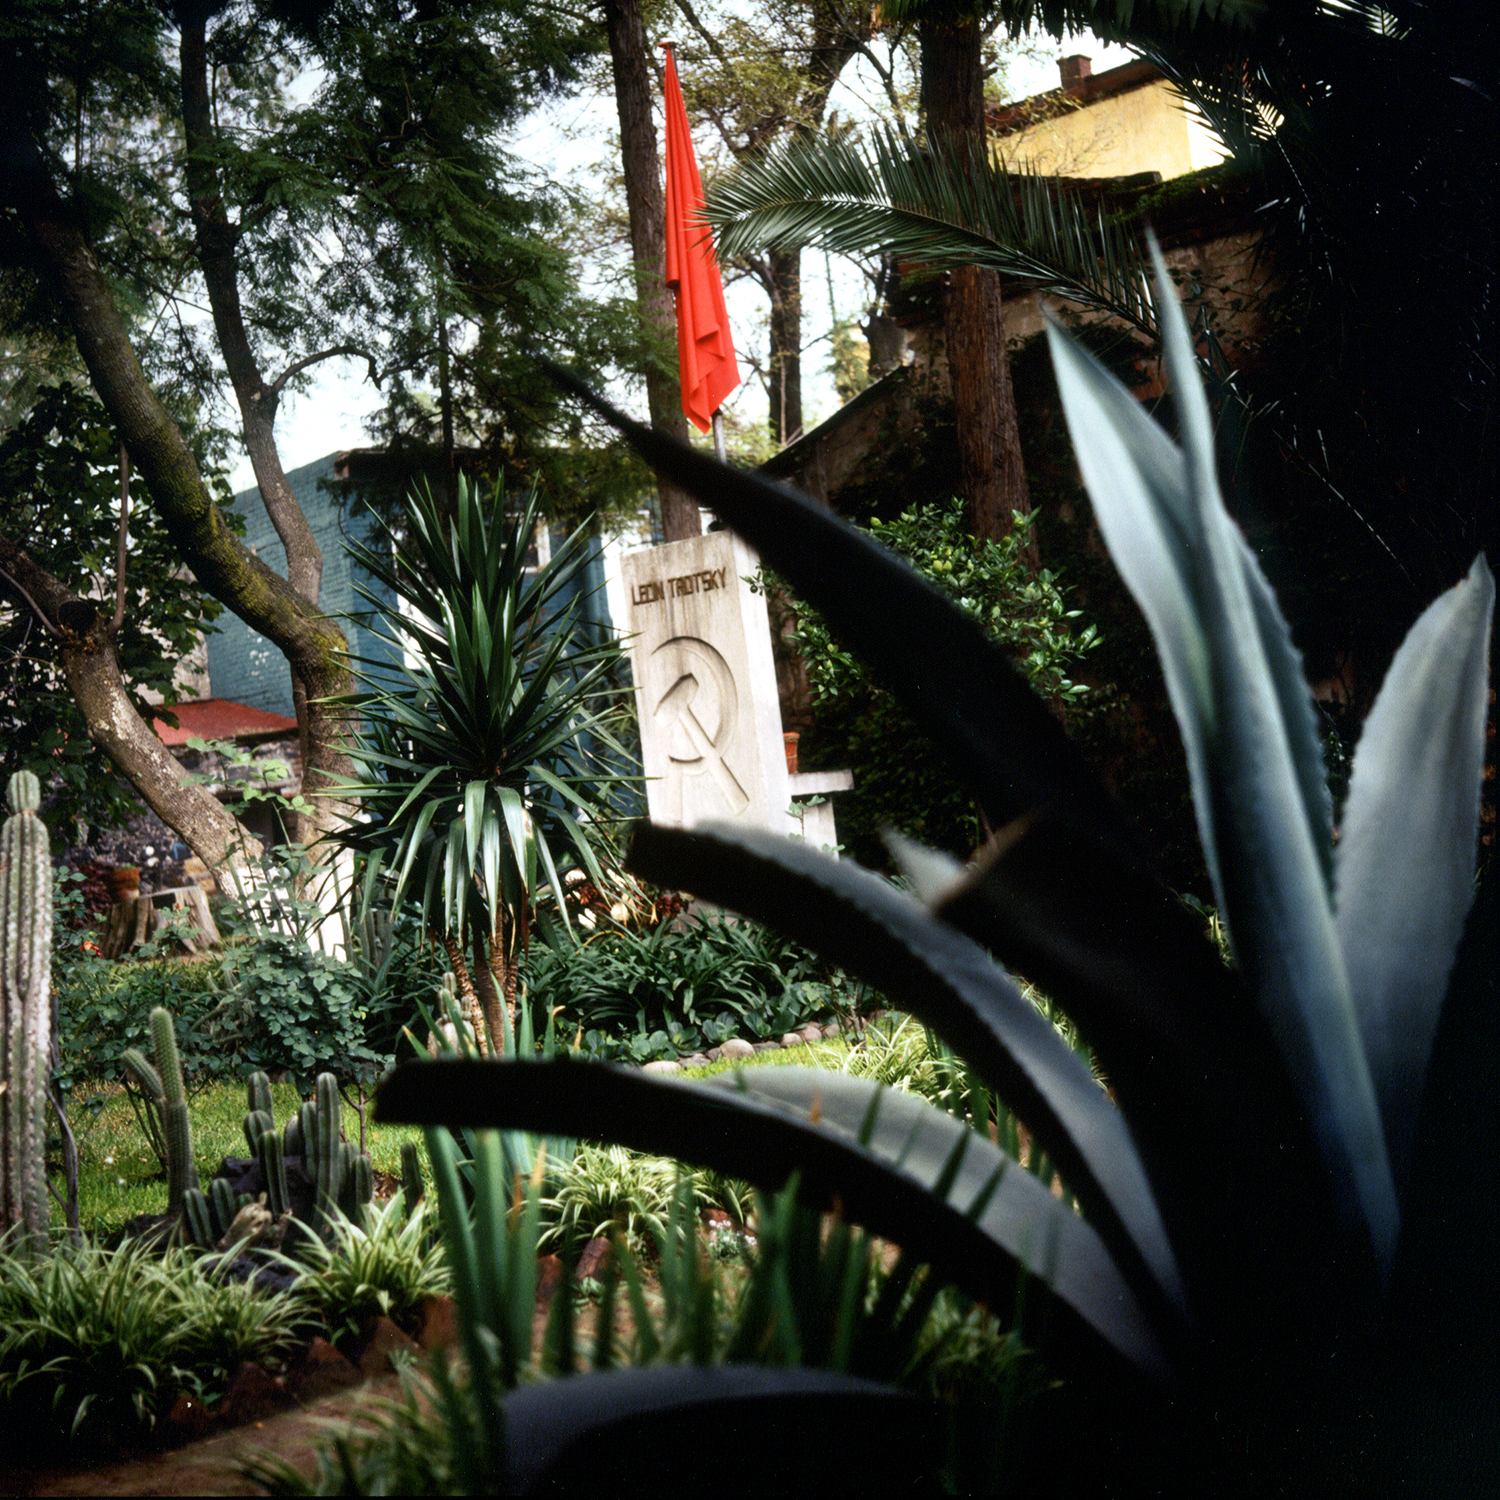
{"x":881,"y":935}
{"x":1405,"y":857}
{"x":1247,"y":729}
{"x":1072,"y":1283}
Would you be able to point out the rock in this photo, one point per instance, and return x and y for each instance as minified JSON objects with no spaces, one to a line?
{"x":736,"y":1047}
{"x":697,"y":1060}
{"x":812,"y":1032}
{"x":253,"y":1395}
{"x":662,"y":1065}
{"x":594,"y":1259}
{"x":765,"y":1046}
{"x":714,"y":1054}
{"x":549,"y":1275}
{"x":322,"y":1372}
{"x":189,"y":1419}
{"x":385,"y":1345}
{"x":793,"y":1039}
{"x":439,"y":1324}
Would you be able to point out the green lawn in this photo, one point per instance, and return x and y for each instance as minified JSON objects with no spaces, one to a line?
{"x":119,"y":1177}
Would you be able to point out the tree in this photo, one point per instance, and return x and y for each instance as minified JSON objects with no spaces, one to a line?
{"x":96,"y":613}
{"x":298,"y":221}
{"x":635,"y":88}
{"x":992,"y":472}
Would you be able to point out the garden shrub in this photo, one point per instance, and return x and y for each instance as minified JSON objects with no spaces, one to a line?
{"x":632,"y":996}
{"x":899,"y":781}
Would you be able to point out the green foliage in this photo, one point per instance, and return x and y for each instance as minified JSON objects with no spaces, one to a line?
{"x":383,"y":1263}
{"x":898,"y":781}
{"x":297,"y":1010}
{"x":636,"y":995}
{"x":96,"y":1343}
{"x":25,"y":1012}
{"x":60,"y":501}
{"x":606,"y":1190}
{"x":480,"y":766}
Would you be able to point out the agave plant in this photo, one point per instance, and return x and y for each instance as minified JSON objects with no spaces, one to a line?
{"x":1285,"y":1237}
{"x":478,"y":761}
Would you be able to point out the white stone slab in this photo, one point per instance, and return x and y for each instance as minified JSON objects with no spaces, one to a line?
{"x":705,"y":684}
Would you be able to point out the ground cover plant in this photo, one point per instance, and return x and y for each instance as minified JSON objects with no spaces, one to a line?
{"x":630,"y":995}
{"x":1281,"y":1274}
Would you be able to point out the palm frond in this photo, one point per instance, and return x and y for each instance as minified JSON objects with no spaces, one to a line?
{"x":937,"y":206}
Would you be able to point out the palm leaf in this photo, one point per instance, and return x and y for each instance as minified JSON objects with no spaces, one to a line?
{"x":937,"y":206}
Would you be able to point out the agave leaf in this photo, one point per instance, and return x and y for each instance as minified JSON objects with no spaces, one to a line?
{"x":1236,"y":689}
{"x":1071,"y":1280}
{"x":968,"y":697}
{"x":1191,"y":1062}
{"x":1405,"y":858}
{"x":885,"y":937}
{"x":561,"y":1435}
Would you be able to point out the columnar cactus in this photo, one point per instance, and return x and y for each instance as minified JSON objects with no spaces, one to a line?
{"x":26,"y":981}
{"x":182,"y":1170}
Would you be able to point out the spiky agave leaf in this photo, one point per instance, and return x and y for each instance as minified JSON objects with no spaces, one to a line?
{"x":1245,"y":713}
{"x":1405,"y":858}
{"x":908,"y":1172}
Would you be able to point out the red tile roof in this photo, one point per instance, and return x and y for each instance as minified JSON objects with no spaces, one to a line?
{"x":219,"y":719}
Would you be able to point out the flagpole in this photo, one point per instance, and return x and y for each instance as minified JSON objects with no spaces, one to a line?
{"x":718,"y":424}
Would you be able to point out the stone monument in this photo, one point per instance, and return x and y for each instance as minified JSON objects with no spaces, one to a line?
{"x":705,"y":684}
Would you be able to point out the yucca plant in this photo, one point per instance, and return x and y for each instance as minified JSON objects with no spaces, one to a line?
{"x":1282,"y":1267}
{"x":478,"y":761}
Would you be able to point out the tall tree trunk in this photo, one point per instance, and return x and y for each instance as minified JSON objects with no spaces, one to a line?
{"x":992,"y":474}
{"x":635,"y":83}
{"x":785,"y":277}
{"x":320,"y":731}
{"x":221,"y":563}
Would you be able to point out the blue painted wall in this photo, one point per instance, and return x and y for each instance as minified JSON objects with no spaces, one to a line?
{"x":243,"y":665}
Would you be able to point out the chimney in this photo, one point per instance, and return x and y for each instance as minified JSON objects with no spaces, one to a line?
{"x":1073,"y":69}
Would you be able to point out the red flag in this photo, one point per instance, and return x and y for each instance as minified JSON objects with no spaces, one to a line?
{"x":705,"y":349}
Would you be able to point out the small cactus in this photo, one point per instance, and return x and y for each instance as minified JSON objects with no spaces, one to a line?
{"x":26,"y":1009}
{"x":177,"y":1129}
{"x":257,"y":1122}
{"x":273,"y":1167}
{"x":259,"y":1100}
{"x":411,"y":1175}
{"x":197,"y":1219}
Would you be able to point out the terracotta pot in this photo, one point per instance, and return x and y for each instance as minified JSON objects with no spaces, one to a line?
{"x":791,"y":751}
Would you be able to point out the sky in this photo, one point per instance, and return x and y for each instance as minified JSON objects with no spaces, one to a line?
{"x":564,"y":140}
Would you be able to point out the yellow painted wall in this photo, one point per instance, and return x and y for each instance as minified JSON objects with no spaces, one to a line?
{"x":1144,"y":130}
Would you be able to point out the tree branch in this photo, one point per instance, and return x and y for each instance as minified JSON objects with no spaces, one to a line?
{"x":297,"y":366}
{"x":123,"y":538}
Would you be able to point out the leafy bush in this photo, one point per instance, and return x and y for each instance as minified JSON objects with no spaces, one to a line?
{"x":95,"y":1343}
{"x":899,"y":781}
{"x":607,"y":1190}
{"x":675,"y":989}
{"x":385,"y":1267}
